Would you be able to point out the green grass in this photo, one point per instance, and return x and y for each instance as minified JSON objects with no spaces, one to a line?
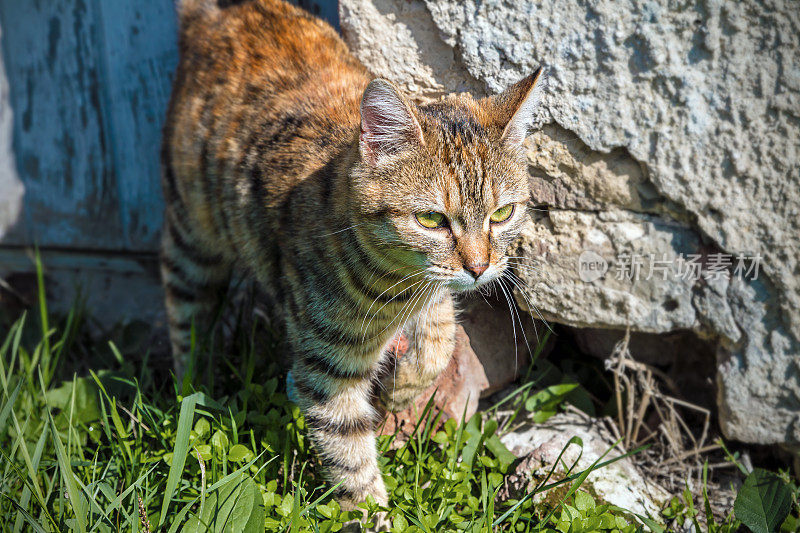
{"x":101,"y":438}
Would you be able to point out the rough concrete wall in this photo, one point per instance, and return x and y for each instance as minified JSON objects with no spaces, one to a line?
{"x":669,"y":128}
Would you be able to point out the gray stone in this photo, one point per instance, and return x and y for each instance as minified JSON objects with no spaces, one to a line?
{"x":665,"y":131}
{"x":552,"y":277}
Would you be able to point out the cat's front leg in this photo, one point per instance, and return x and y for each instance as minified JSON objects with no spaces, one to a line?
{"x":195,"y":279}
{"x":430,"y":342}
{"x":341,"y":422}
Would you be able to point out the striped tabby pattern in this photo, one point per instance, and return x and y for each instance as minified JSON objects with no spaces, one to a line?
{"x":281,"y":158}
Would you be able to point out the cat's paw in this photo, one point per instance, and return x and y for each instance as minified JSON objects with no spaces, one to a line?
{"x":353,"y":526}
{"x":398,"y":383}
{"x":395,"y":405}
{"x":379,"y":523}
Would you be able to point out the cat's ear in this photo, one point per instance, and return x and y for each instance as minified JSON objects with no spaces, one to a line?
{"x":388,"y":124}
{"x":515,"y":107}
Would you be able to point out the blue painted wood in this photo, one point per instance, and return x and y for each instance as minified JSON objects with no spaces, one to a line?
{"x":54,"y":68}
{"x":90,"y":81}
{"x":140,"y":54}
{"x":324,"y":9}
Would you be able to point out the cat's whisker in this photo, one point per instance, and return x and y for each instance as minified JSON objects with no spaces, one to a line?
{"x":530,"y":208}
{"x":522,"y":259}
{"x":407,"y":306}
{"x":513,"y":324}
{"x":426,"y":297}
{"x":384,"y":275}
{"x":519,"y":318}
{"x":428,"y":291}
{"x":529,"y":274}
{"x":530,"y":306}
{"x":431,"y":301}
{"x":423,"y":294}
{"x":345,"y":229}
{"x":402,"y":280}
{"x":435,"y":293}
{"x":365,"y":331}
{"x":520,"y":286}
{"x":520,"y":262}
{"x":524,"y":268}
{"x":374,"y":272}
{"x":421,"y":317}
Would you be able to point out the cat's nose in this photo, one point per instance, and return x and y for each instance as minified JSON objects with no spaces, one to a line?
{"x":476,"y":270}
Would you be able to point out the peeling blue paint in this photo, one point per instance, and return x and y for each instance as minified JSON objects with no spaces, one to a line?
{"x":89,"y":81}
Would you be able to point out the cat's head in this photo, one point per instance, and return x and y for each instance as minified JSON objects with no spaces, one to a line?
{"x":445,"y":185}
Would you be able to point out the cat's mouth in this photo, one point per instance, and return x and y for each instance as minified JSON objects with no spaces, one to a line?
{"x":465,"y":282}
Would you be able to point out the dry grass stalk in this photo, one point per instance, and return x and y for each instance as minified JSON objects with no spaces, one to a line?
{"x":645,"y":414}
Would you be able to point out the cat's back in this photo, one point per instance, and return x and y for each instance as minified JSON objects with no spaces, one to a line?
{"x":266,"y":37}
{"x":265,"y":94}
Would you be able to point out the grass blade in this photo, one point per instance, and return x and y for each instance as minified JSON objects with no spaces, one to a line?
{"x":24,"y":514}
{"x":179,"y":454}
{"x":12,"y":339}
{"x":40,"y":292}
{"x":6,"y":410}
{"x":76,"y":500}
{"x":26,"y":493}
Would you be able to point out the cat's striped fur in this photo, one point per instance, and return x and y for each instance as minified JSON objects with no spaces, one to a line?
{"x":282,"y":159}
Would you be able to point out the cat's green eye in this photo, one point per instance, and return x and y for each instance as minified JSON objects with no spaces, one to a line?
{"x":431,"y":219}
{"x":502,"y":214}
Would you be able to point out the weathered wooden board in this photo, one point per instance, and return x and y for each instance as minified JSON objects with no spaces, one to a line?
{"x":54,"y":64}
{"x":140,"y":56}
{"x":325,"y":9}
{"x":89,"y":83}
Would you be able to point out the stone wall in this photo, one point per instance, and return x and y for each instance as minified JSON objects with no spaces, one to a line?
{"x":667,"y":129}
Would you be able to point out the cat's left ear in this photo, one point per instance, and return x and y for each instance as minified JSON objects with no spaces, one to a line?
{"x":388,"y":124}
{"x":514,"y":108}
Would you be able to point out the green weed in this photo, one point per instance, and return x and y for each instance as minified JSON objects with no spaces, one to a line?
{"x":108,"y":447}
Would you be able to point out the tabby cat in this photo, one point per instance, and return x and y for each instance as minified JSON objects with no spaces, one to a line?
{"x":360,"y":211}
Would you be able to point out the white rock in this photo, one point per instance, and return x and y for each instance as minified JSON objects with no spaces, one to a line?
{"x":619,"y":483}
